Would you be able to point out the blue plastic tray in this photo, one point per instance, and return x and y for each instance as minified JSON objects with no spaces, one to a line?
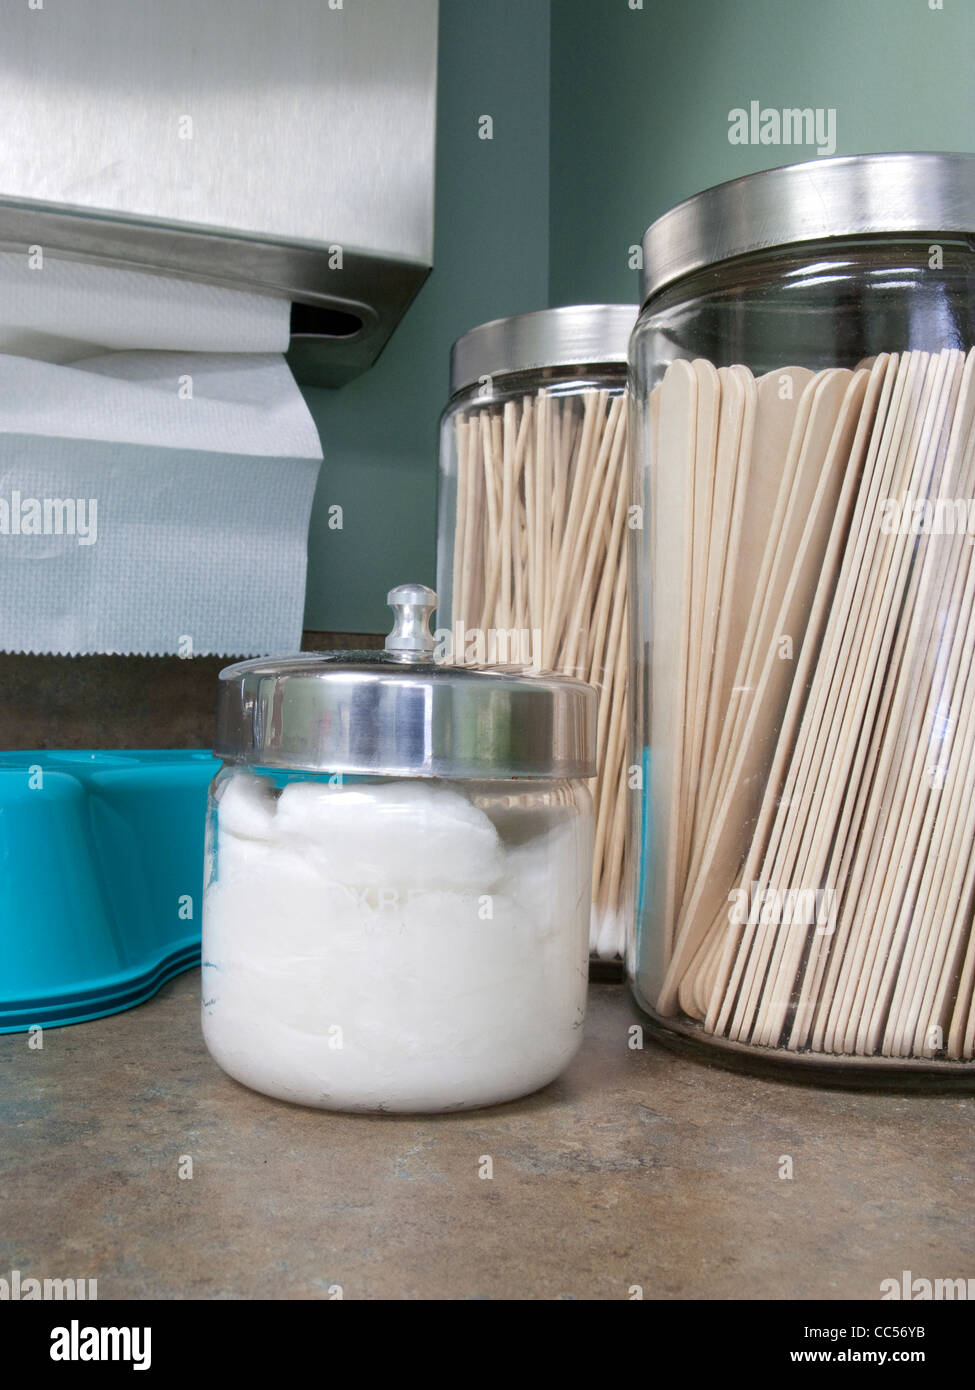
{"x":101,"y":879}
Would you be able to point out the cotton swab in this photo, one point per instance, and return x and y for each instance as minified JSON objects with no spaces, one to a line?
{"x":541,"y":545}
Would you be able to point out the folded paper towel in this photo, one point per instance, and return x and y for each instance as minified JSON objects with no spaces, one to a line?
{"x":60,"y":311}
{"x":152,"y":502}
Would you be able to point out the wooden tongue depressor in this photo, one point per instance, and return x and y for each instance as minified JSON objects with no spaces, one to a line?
{"x":803,"y":813}
{"x":938,"y":872}
{"x":697,"y":980}
{"x":895,"y":823}
{"x":854,"y":832}
{"x":968,"y":1043}
{"x":963,"y":1013}
{"x":936,"y":736}
{"x":955,"y":915}
{"x":767,"y":488}
{"x":961,"y":1031}
{"x":785,"y":804}
{"x":801,"y":546}
{"x":884,"y":688}
{"x":882,"y":565}
{"x":784,"y":402}
{"x":699,"y":653}
{"x":803,"y":528}
{"x":961,"y":1034}
{"x":882,"y":871}
{"x":671,"y":524}
{"x":850,"y":605}
{"x":836,"y":738}
{"x":726,"y":656}
{"x":878,"y":485}
{"x":704,"y":640}
{"x":945,"y":895}
{"x":658,"y":943}
{"x":848,"y":702}
{"x":735,"y":957}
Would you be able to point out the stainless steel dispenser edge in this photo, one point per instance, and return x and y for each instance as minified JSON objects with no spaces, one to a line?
{"x":312,"y":130}
{"x":375,"y":291}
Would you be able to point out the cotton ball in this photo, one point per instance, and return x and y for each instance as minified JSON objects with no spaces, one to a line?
{"x":550,"y":874}
{"x":381,"y":948}
{"x":246,"y":807}
{"x":397,"y":835}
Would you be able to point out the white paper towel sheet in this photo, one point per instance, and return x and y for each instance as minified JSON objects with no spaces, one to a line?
{"x":237,"y":403}
{"x":153,"y":502}
{"x":60,"y":311}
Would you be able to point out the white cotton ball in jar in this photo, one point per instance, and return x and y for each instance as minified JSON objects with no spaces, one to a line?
{"x":383,"y":948}
{"x":247,"y":804}
{"x":406,"y":834}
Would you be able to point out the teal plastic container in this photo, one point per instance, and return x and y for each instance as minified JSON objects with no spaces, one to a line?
{"x":101,"y":879}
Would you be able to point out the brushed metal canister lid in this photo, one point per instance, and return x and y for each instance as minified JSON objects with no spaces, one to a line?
{"x":852,"y":196}
{"x":401,"y":713}
{"x":586,"y":335}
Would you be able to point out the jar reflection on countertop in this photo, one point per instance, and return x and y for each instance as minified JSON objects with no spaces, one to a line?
{"x":396,"y":909}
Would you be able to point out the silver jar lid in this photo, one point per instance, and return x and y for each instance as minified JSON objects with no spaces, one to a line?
{"x":856,"y":195}
{"x":401,"y":713}
{"x":576,"y":335}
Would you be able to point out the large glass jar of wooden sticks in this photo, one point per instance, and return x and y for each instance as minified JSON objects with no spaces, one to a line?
{"x":535,"y":517}
{"x":804,"y":384}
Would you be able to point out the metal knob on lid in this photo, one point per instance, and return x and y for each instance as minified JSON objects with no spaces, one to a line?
{"x":411,"y":638}
{"x":399,"y":713}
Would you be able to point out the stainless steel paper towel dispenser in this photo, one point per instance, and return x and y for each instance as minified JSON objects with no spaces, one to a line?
{"x":284,"y":147}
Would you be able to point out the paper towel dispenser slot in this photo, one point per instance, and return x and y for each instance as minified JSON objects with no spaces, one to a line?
{"x":284,"y":148}
{"x":309,"y":322}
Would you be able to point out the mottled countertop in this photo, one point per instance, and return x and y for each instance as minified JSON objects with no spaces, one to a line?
{"x":635,"y":1168}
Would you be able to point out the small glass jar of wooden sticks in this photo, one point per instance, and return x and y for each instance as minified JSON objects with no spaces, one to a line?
{"x":535,"y":519}
{"x":804,"y":382}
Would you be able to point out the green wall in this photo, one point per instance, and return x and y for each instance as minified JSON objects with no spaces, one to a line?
{"x":379,"y":433}
{"x":604,"y":116}
{"x":640,"y":103}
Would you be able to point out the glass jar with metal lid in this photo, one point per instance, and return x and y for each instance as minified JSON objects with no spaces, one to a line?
{"x":804,"y":399}
{"x":533,"y":532}
{"x":396,"y":904}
